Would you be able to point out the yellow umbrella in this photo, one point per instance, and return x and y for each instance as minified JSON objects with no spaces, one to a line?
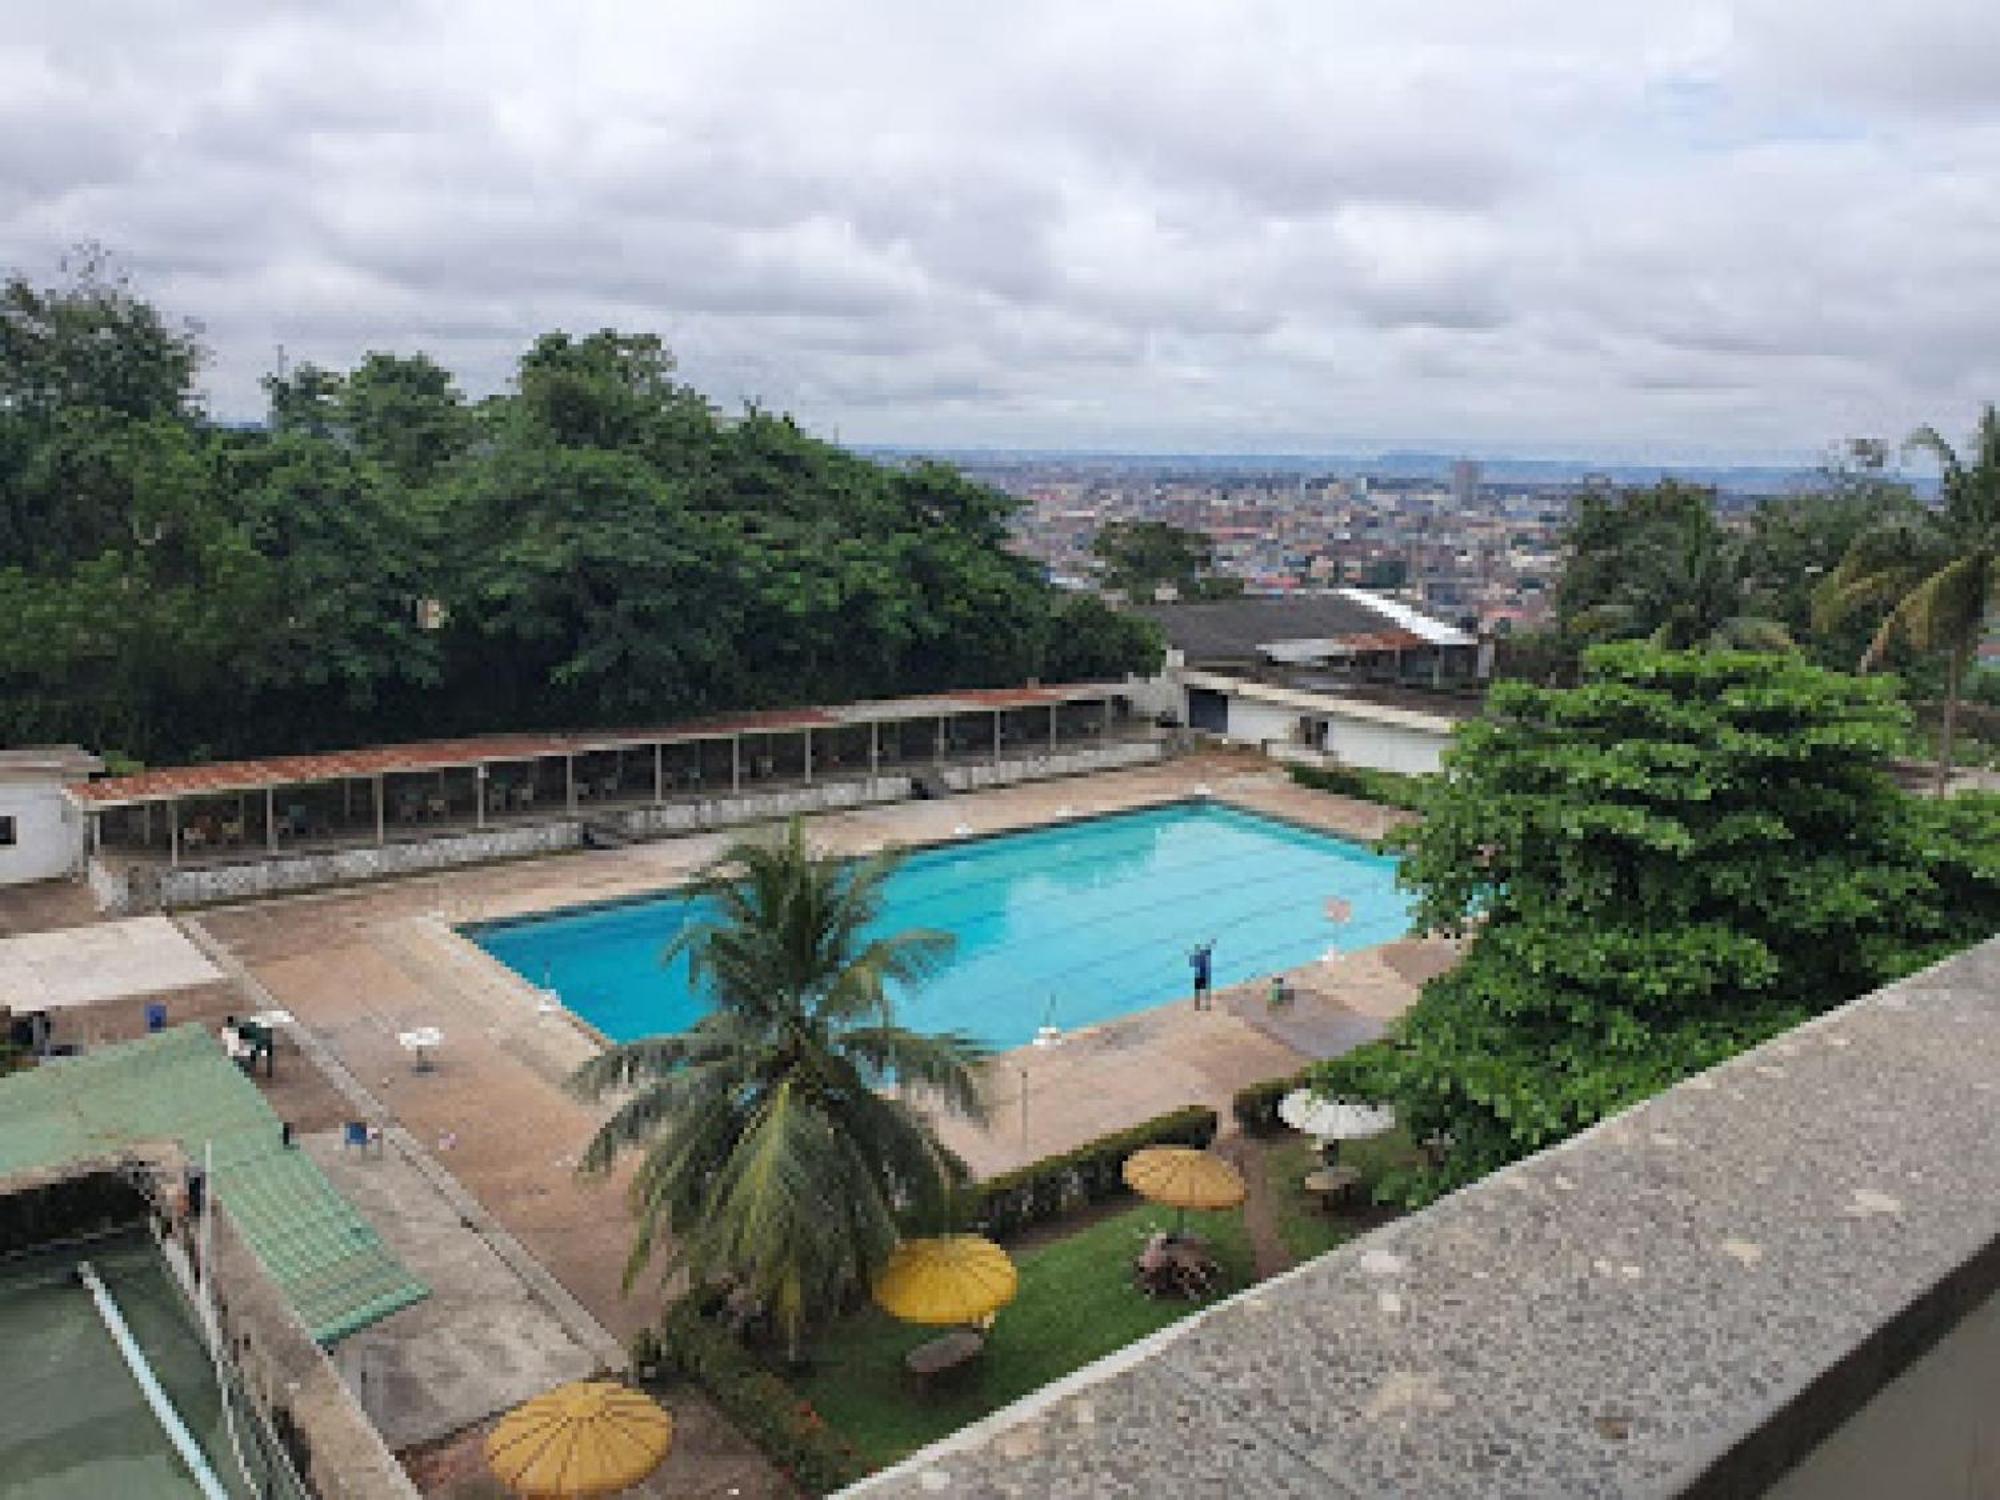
{"x":953,"y":1279}
{"x":1183,"y":1178}
{"x":592,"y":1437}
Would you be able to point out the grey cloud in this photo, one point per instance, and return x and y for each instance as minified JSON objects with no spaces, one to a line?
{"x":1744,"y":226}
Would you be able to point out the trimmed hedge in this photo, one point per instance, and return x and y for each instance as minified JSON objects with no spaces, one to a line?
{"x":1056,"y":1185}
{"x":1256,"y":1105}
{"x":1390,"y":788}
{"x":764,"y":1409}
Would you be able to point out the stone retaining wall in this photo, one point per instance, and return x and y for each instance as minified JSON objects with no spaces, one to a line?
{"x":967,"y":778}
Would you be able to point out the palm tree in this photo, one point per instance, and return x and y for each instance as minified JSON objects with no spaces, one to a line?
{"x":1937,"y":570}
{"x":1688,"y":588}
{"x":772,"y":1154}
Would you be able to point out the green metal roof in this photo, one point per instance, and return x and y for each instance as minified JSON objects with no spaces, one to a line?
{"x":180,"y":1086}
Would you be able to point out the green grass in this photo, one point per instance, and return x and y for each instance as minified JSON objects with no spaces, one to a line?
{"x":1076,"y":1304}
{"x":1306,"y":1229}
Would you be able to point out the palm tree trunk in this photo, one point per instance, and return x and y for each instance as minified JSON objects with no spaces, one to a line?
{"x":1954,"y":674}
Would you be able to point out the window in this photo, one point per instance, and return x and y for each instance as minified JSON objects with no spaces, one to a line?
{"x":9,"y":836}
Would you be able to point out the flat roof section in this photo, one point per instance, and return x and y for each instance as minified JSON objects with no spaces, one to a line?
{"x":179,"y":1086}
{"x":72,"y":966}
{"x":220,"y":778}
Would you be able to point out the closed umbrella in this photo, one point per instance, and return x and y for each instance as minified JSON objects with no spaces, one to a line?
{"x":589,"y":1438}
{"x":950,"y":1280}
{"x":1182,"y":1178}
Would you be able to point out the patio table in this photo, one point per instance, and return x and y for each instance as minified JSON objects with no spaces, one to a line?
{"x":423,"y":1041}
{"x":940,"y":1356}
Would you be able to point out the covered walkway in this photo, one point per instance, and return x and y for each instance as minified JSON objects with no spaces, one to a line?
{"x":237,"y":811}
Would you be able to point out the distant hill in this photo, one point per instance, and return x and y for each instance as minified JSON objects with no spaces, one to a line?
{"x":1402,"y":465}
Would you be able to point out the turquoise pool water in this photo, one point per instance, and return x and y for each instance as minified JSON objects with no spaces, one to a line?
{"x":1078,"y":923}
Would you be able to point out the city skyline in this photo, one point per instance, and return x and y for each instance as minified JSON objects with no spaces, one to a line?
{"x":1724,"y":233}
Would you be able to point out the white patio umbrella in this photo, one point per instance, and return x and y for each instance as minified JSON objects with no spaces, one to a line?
{"x":1333,"y":1119}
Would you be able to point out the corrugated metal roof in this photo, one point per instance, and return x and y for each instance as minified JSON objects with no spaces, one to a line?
{"x":179,"y":1086}
{"x":223,"y":777}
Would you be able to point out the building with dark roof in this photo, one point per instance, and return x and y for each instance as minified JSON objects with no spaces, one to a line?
{"x":1347,"y":676}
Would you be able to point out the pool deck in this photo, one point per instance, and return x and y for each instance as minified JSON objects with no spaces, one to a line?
{"x":358,"y":966}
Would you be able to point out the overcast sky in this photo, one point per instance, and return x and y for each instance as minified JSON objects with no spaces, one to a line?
{"x":1560,"y":226}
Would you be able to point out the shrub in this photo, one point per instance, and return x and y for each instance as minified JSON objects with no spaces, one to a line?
{"x":764,"y":1409}
{"x":1255,"y":1106}
{"x":1056,"y":1185}
{"x":1390,"y":788}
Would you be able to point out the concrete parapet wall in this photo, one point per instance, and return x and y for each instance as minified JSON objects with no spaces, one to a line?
{"x":1787,"y":1263}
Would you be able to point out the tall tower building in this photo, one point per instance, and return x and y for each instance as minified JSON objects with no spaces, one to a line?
{"x":1465,"y":483}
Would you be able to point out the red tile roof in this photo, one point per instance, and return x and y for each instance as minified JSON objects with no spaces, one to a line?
{"x":223,"y":777}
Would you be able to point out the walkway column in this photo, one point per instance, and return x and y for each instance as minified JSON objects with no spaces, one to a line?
{"x":940,"y":739}
{"x":271,"y":819}
{"x":997,"y":714}
{"x":1054,"y":726}
{"x":173,"y":832}
{"x":381,"y":811}
{"x":569,"y":781}
{"x":735,"y":764}
{"x":481,"y":780}
{"x":660,"y":770}
{"x":874,"y":748}
{"x":1110,"y":717}
{"x":97,"y":833}
{"x":809,"y":757}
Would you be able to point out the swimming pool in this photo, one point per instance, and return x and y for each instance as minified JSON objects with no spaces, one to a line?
{"x":1072,"y":924}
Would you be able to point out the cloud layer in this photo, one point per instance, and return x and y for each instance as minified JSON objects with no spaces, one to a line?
{"x":1606,"y":228}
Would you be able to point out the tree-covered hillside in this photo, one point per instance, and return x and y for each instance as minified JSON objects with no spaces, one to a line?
{"x":385,"y":559}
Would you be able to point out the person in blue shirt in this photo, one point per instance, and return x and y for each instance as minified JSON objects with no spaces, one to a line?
{"x":1202,"y":959}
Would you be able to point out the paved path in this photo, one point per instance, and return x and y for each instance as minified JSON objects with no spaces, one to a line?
{"x":1260,"y":1218}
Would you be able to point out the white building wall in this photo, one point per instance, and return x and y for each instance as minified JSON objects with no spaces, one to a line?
{"x":48,"y":832}
{"x":1384,"y":747}
{"x":1262,"y":723}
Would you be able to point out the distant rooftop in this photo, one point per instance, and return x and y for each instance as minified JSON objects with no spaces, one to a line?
{"x":1319,"y":624}
{"x":1686,"y":1299}
{"x":179,"y":1087}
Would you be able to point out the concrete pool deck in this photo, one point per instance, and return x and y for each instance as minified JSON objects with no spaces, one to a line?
{"x":358,"y":966}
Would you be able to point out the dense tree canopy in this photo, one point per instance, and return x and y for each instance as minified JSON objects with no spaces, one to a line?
{"x":1140,"y":558}
{"x":385,"y":559}
{"x":1684,"y":855}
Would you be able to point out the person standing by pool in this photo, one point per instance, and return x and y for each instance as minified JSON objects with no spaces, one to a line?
{"x":1202,"y":959}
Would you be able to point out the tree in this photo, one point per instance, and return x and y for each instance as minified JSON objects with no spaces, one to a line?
{"x":1677,"y":859}
{"x":1684,"y":585}
{"x":772,"y":1155}
{"x":1604,"y":532}
{"x":1937,"y":570}
{"x":1140,"y":558}
{"x":1795,"y":542}
{"x":606,"y":546}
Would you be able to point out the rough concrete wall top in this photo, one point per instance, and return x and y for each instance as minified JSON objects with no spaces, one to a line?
{"x":1682,"y":1300}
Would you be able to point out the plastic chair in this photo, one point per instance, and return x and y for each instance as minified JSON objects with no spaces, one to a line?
{"x":156,"y":1017}
{"x":361,"y":1136}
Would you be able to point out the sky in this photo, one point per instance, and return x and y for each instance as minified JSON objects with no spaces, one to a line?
{"x":1569,"y":227}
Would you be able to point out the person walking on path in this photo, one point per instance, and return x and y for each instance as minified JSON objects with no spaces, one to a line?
{"x":1202,"y":959}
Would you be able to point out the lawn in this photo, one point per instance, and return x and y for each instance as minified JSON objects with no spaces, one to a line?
{"x":1307,"y":1229}
{"x":1076,"y":1304}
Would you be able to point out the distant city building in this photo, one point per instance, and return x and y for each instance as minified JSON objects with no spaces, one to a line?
{"x":1465,"y":483}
